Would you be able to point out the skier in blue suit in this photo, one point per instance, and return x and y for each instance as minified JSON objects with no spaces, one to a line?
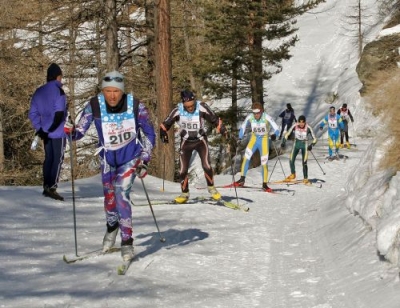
{"x":335,"y":124}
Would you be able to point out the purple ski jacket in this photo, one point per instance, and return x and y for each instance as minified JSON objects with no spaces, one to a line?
{"x":46,"y":102}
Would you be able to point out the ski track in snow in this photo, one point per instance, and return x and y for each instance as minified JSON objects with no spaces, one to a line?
{"x":285,"y":252}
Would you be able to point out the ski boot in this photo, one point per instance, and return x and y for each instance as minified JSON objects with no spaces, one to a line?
{"x":127,"y":250}
{"x":291,"y":177}
{"x":214,"y":193}
{"x":110,"y":236}
{"x":182,"y":198}
{"x":266,"y":188}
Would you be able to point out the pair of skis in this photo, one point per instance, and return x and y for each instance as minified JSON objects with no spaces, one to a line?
{"x":341,"y":157}
{"x":222,"y":202}
{"x":121,"y":269}
{"x":278,"y":191}
{"x":90,"y":255}
{"x":299,"y":182}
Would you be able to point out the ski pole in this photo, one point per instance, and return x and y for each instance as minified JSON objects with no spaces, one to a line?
{"x":162,"y":239}
{"x":163,"y":180}
{"x":73,"y":192}
{"x":317,"y":162}
{"x":270,"y":176}
{"x":355,"y":134}
{"x":279,"y":161}
{"x":233,"y":173}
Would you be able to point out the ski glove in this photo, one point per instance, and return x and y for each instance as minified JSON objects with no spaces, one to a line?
{"x":145,"y":157}
{"x":69,"y":127}
{"x":163,"y":136}
{"x":309,"y":148}
{"x":42,"y":135}
{"x":141,"y":170}
{"x":321,"y":128}
{"x":283,"y":144}
{"x":273,"y":137}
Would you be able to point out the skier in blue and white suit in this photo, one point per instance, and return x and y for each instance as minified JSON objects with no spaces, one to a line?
{"x":335,"y":124}
{"x":260,"y":123}
{"x":126,"y":138}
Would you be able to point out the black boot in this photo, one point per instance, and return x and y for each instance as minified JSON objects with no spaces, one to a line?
{"x":52,"y":193}
{"x":241,"y":181}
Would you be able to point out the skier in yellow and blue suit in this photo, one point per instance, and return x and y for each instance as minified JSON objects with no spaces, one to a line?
{"x":260,"y":123}
{"x":335,"y":124}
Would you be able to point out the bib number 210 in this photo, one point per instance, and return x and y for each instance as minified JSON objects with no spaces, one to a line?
{"x":121,"y":138}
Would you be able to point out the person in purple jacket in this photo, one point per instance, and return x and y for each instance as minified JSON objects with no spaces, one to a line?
{"x":47,"y":113}
{"x":126,"y":139}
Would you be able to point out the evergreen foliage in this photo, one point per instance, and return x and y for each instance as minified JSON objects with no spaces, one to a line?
{"x":216,"y":50}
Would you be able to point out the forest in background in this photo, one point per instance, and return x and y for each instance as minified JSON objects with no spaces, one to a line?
{"x":162,"y":47}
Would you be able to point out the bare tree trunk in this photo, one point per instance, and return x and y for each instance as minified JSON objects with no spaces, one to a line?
{"x":151,"y":66}
{"x":2,"y":160}
{"x":110,"y":18}
{"x":99,"y":72}
{"x":234,"y":93}
{"x":255,"y":48}
{"x":165,"y":153}
{"x":71,"y":85}
{"x":187,"y":48}
{"x":360,"y":34}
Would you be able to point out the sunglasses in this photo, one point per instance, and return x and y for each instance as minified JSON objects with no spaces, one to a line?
{"x":187,"y":99}
{"x":117,"y":79}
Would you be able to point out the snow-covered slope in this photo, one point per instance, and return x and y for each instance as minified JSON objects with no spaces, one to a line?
{"x":306,"y":250}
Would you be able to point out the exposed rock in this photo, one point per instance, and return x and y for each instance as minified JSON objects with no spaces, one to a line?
{"x":382,"y":54}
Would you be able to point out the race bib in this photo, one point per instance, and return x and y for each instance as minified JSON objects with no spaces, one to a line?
{"x":189,"y":122}
{"x":332,"y":122}
{"x":260,"y":127}
{"x":301,"y":133}
{"x":119,"y":129}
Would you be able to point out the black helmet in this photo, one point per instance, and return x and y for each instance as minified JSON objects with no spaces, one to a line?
{"x":187,"y":96}
{"x":302,"y":119}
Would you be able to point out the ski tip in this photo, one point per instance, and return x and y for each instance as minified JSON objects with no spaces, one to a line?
{"x":121,"y":270}
{"x":68,"y":261}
